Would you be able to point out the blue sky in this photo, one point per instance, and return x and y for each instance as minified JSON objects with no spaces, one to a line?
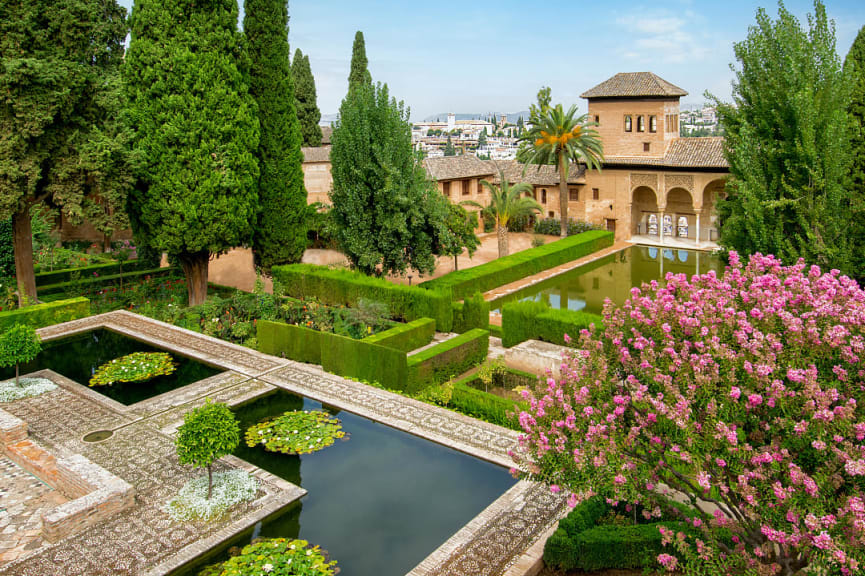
{"x":493,"y":55}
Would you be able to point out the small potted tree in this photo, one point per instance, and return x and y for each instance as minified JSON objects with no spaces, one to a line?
{"x":207,"y":433}
{"x":19,"y":345}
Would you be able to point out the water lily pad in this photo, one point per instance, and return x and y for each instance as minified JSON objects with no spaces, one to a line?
{"x":296,"y":432}
{"x":135,"y":367}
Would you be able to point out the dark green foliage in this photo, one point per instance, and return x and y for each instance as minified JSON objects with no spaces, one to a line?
{"x":94,"y":270}
{"x":386,"y":215}
{"x":280,"y":235}
{"x":19,"y":345}
{"x":511,"y":268}
{"x":208,"y":433}
{"x":288,"y":341}
{"x":406,"y":337}
{"x":484,"y":406}
{"x":854,"y":67}
{"x":552,"y":226}
{"x":472,"y":313}
{"x":196,"y":131}
{"x":457,"y":232}
{"x":362,"y":361}
{"x":305,"y":100}
{"x":346,"y":288}
{"x":787,"y":143}
{"x":42,"y":315}
{"x":446,"y":360}
{"x":61,"y":142}
{"x":496,"y":331}
{"x":531,"y":320}
{"x":449,"y":147}
{"x":358,"y":74}
{"x":7,"y":249}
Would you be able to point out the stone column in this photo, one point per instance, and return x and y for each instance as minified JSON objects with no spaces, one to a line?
{"x":698,"y":229}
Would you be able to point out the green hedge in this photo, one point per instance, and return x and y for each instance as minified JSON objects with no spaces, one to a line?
{"x":496,"y":330}
{"x":48,"y":314}
{"x":531,"y":320}
{"x":485,"y":406}
{"x":345,"y":287}
{"x":289,"y":341}
{"x":110,"y":268}
{"x":516,"y":266}
{"x":472,"y":313}
{"x":107,"y":280}
{"x":446,"y":360}
{"x":406,"y":337}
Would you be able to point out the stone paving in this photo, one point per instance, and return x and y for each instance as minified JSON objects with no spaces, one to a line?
{"x":145,"y":541}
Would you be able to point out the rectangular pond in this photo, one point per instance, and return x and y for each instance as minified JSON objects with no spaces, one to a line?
{"x":379,"y":502}
{"x":77,"y":357}
{"x":613,"y":276}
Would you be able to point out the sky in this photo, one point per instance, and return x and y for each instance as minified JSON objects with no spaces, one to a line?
{"x":493,"y":55}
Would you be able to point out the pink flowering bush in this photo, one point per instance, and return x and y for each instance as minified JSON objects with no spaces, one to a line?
{"x":743,"y":394}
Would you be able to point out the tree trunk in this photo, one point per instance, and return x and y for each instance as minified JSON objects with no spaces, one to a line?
{"x":195,"y":268}
{"x":502,"y":232}
{"x":209,"y":482}
{"x":563,"y":193}
{"x":23,"y":239}
{"x":456,"y":264}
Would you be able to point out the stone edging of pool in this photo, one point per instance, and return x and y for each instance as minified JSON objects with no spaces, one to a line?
{"x":488,"y":545}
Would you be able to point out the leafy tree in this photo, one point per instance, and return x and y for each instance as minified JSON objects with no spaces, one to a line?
{"x":714,"y":389}
{"x":482,"y":139}
{"x":196,"y":131}
{"x":306,"y":100}
{"x":561,"y":138}
{"x":509,"y":202}
{"x":280,"y":234}
{"x":384,"y":209}
{"x":449,"y":147}
{"x":359,"y":73}
{"x":458,"y":232}
{"x":19,"y":345}
{"x":208,"y":433}
{"x":787,"y":144}
{"x":61,"y":143}
{"x":854,"y":67}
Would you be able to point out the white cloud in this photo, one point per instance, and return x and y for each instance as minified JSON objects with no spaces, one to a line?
{"x":665,"y":38}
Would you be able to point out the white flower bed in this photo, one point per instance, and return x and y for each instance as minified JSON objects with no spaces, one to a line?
{"x":229,"y":488}
{"x":9,"y":391}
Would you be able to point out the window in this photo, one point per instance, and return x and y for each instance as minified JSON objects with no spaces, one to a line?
{"x":543,"y":195}
{"x":552,"y":214}
{"x":446,"y":189}
{"x":597,"y":119}
{"x":596,"y":193}
{"x":467,"y":187}
{"x":573,"y":195}
{"x":646,"y":146}
{"x":641,"y":123}
{"x":628,"y":123}
{"x":672,"y":123}
{"x":653,"y":123}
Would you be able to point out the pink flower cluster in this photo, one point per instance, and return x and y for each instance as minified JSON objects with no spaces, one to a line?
{"x":744,"y":391}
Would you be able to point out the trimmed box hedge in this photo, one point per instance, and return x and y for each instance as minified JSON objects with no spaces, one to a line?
{"x":108,"y":268}
{"x":47,"y":314}
{"x":472,"y":313}
{"x":406,"y":337}
{"x":446,"y":360}
{"x":462,"y":283}
{"x":485,"y":406}
{"x":345,"y":287}
{"x":289,"y":341}
{"x":531,"y":320}
{"x":88,"y":281}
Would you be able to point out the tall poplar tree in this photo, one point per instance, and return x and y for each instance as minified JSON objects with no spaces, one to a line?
{"x":787,"y":143}
{"x":306,"y":100}
{"x":280,"y":235}
{"x":196,"y":130}
{"x":359,"y":73}
{"x":60,"y":141}
{"x":854,"y":67}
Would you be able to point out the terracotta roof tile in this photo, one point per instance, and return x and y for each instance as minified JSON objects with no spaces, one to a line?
{"x":456,"y":167}
{"x":316,"y":154}
{"x":546,"y":176}
{"x":634,"y":85}
{"x":682,"y":153}
{"x":326,"y":133}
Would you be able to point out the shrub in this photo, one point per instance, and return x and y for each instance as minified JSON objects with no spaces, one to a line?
{"x":289,"y":341}
{"x":502,"y":271}
{"x":406,"y":337}
{"x":19,"y":345}
{"x":472,"y":313}
{"x":210,"y":497}
{"x":446,"y":360}
{"x":363,"y":361}
{"x":531,"y":320}
{"x":538,"y":241}
{"x":42,"y":315}
{"x":553,"y":226}
{"x":345,"y":287}
{"x":485,"y":406}
{"x":208,"y":433}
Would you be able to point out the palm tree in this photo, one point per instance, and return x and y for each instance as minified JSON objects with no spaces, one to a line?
{"x":559,"y":138}
{"x":507,"y":202}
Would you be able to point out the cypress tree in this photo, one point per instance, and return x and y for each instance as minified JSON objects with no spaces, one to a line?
{"x":854,"y":67}
{"x":280,"y":234}
{"x":196,"y":130}
{"x":60,"y":140}
{"x":449,"y":147}
{"x":305,"y":100}
{"x":359,"y":72}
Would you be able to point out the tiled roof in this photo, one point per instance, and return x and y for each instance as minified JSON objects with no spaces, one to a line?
{"x":316,"y":154}
{"x":546,"y":176}
{"x":326,"y":132}
{"x":682,"y":153}
{"x":634,"y":85}
{"x":456,"y":167}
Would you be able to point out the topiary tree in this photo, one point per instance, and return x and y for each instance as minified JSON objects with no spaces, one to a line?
{"x":306,"y":100}
{"x":208,"y":433}
{"x":280,"y":235}
{"x":742,"y":394}
{"x":196,"y":132}
{"x":19,"y":345}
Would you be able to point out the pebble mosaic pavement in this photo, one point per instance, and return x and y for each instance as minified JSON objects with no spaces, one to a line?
{"x":144,"y":540}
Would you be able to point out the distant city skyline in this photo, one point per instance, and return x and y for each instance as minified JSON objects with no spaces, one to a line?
{"x":494,"y":56}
